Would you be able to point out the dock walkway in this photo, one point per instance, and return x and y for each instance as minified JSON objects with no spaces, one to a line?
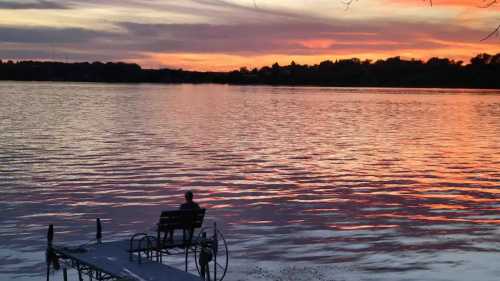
{"x":112,"y":260}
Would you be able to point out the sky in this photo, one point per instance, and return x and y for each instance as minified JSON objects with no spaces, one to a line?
{"x":229,"y":34}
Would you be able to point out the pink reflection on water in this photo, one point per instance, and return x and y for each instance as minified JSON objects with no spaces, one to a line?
{"x":311,"y":175}
{"x":359,"y":227}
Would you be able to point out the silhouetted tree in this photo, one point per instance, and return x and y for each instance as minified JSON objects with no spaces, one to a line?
{"x":483,"y":72}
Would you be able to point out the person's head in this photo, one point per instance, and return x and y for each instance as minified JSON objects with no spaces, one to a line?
{"x":189,"y":196}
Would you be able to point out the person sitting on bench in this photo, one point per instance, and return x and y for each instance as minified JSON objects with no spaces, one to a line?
{"x":189,"y":204}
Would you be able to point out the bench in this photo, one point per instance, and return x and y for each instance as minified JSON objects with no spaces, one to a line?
{"x":175,"y":229}
{"x":185,"y":221}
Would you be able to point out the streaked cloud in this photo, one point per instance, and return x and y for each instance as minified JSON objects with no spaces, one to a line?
{"x":35,"y":35}
{"x":40,"y":4}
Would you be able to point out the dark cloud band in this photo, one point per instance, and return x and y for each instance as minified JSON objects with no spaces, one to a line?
{"x":42,"y":5}
{"x":284,"y":38}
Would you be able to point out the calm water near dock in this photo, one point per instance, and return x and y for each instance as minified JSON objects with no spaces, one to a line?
{"x":307,"y":183}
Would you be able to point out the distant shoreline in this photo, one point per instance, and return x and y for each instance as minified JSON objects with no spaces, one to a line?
{"x":483,"y":72}
{"x":249,"y":85}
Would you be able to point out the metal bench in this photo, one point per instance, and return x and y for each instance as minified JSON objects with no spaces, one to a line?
{"x":176,"y":230}
{"x":182,"y":229}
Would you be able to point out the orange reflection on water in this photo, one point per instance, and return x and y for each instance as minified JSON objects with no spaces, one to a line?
{"x":257,"y":222}
{"x":437,"y":218}
{"x":491,"y":190}
{"x":322,"y":200}
{"x":221,"y":206}
{"x":277,"y":166}
{"x":457,"y":197}
{"x":363,"y":226}
{"x":444,"y":207}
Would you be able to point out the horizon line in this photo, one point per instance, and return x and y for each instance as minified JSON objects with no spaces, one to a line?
{"x":160,"y":67}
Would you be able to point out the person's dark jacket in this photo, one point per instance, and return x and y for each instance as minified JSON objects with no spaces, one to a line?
{"x":190,"y":206}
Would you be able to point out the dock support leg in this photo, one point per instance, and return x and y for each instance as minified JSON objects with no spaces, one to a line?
{"x":48,"y":257}
{"x":215,"y":251}
{"x":186,"y":260}
{"x":98,"y":235}
{"x":207,"y":273}
{"x":80,"y":278}
{"x":158,"y":246}
{"x":65,"y":274}
{"x":202,"y":271}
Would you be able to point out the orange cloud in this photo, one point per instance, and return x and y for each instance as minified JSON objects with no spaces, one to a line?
{"x":465,"y":3}
{"x":225,"y":62}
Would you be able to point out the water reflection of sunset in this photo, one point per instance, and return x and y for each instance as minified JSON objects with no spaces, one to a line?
{"x":293,"y":175}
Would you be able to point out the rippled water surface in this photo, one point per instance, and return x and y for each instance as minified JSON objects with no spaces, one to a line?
{"x":307,"y":183}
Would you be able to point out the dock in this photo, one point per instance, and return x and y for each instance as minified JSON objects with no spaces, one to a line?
{"x":140,"y":258}
{"x":111,"y":261}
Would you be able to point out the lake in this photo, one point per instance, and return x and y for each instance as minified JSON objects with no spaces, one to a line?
{"x":306,"y":183}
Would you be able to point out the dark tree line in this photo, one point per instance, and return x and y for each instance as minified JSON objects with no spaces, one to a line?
{"x":483,"y":71}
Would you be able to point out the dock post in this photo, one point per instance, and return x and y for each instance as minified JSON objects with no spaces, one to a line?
{"x":48,"y":253}
{"x":65,"y":274}
{"x":186,"y":258}
{"x":98,"y":235}
{"x":216,"y":245}
{"x":80,"y":278}
{"x":158,"y":250}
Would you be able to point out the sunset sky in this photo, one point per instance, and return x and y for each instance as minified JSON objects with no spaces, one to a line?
{"x":228,"y":34}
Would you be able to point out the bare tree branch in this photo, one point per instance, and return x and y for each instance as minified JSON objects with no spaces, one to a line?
{"x":488,"y":3}
{"x":493,"y":33}
{"x":348,"y":3}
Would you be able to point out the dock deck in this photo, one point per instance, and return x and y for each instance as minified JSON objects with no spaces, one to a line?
{"x":139,"y":258}
{"x":112,"y":261}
